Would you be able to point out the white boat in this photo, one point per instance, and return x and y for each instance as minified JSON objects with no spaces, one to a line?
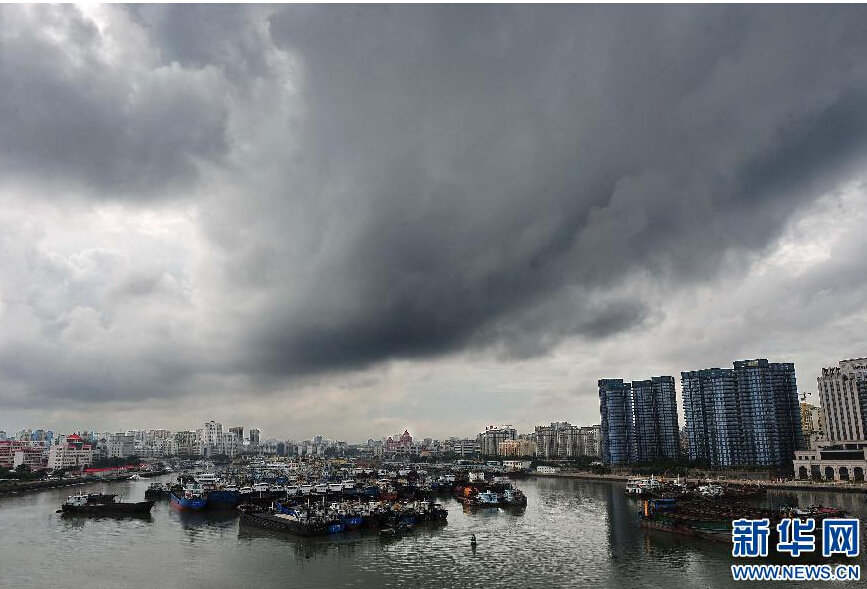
{"x":206,"y":477}
{"x":261,"y":488}
{"x":305,"y":489}
{"x":293,"y":490}
{"x":348,"y":485}
{"x":321,"y":488}
{"x":335,"y":487}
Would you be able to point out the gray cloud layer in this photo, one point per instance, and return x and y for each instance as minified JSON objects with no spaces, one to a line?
{"x":388,"y":182}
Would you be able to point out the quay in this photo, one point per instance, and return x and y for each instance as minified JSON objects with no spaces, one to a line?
{"x":786,"y":485}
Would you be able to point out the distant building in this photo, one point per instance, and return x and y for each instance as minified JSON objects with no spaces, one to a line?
{"x":254,"y":437}
{"x":811,"y":424}
{"x":465,"y":448}
{"x":512,"y":465}
{"x":563,"y":440}
{"x":493,"y":436}
{"x":590,"y":440}
{"x":238,"y":432}
{"x":547,"y":469}
{"x":121,"y":445}
{"x":31,"y":456}
{"x":74,"y":452}
{"x":15,"y":452}
{"x":655,"y":414}
{"x":518,"y":447}
{"x":618,"y":425}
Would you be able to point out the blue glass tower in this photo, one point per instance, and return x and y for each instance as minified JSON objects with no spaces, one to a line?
{"x":618,"y":425}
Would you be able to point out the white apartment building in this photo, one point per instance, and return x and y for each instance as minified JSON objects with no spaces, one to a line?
{"x":72,"y":452}
{"x":843,"y":399}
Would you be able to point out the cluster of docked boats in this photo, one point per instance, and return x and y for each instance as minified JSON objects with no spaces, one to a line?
{"x":498,"y":492}
{"x":315,"y":519}
{"x":655,"y":488}
{"x":207,"y":491}
{"x":712,"y":520}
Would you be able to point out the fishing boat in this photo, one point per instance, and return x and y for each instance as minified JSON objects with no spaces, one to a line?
{"x":226,"y":498}
{"x":190,"y":499}
{"x":102,"y":504}
{"x":154,"y":491}
{"x":296,"y":523}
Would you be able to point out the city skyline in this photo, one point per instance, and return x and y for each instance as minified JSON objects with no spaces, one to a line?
{"x":344,"y":222}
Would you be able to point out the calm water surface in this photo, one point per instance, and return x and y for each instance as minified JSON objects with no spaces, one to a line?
{"x":572,"y":534}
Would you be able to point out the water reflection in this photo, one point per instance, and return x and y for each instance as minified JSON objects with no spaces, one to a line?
{"x":572,"y":533}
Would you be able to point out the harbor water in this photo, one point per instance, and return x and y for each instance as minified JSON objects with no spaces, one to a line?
{"x":573,"y":533}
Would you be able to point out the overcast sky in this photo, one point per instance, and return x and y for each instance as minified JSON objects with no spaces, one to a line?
{"x":351,"y":220}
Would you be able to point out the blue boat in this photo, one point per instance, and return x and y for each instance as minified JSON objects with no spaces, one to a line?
{"x":335,"y":526}
{"x":189,"y":501}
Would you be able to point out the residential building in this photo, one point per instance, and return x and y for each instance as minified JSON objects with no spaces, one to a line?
{"x":590,"y":440}
{"x":769,"y":411}
{"x":747,"y":415}
{"x":73,"y":452}
{"x":239,"y":433}
{"x":655,"y":414}
{"x":121,"y":445}
{"x":10,"y":449}
{"x":711,"y":416}
{"x":30,"y":456}
{"x":493,"y":435}
{"x":254,"y":437}
{"x":618,"y":425}
{"x":517,"y":447}
{"x":561,"y":439}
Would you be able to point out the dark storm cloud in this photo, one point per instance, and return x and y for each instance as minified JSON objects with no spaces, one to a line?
{"x":381,"y":182}
{"x":478,"y":160}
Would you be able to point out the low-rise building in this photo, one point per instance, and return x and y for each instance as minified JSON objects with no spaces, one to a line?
{"x":547,"y":469}
{"x":30,"y":456}
{"x":832,"y":461}
{"x":517,"y":464}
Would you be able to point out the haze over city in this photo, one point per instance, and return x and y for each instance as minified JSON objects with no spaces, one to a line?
{"x":321,"y":221}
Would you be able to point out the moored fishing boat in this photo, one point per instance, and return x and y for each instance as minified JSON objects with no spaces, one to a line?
{"x":101,"y":504}
{"x":292,"y":522}
{"x":225,"y":498}
{"x":189,"y":499}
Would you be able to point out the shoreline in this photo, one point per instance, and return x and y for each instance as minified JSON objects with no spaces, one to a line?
{"x":33,"y":486}
{"x":784,"y":485}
